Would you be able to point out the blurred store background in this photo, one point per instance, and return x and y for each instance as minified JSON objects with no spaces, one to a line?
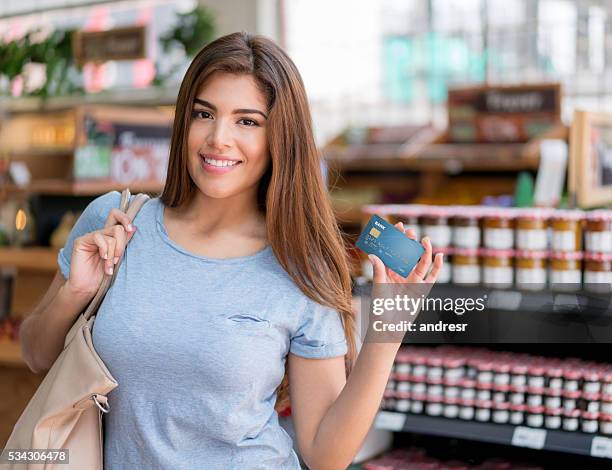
{"x":483,"y":124}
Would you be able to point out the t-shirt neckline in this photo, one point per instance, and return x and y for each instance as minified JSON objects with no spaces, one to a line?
{"x":161,"y":230}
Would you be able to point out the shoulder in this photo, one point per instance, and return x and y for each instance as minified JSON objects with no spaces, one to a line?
{"x":98,"y":209}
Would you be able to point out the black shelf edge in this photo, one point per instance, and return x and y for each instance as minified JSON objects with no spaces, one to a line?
{"x":578,"y":443}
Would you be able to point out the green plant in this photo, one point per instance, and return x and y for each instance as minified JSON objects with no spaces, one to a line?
{"x":193,"y":30}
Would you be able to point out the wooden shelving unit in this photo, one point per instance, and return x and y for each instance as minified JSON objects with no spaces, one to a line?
{"x":85,"y":188}
{"x":10,"y":353}
{"x":34,"y":259}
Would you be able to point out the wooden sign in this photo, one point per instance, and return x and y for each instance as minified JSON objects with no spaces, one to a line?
{"x":590,"y":178}
{"x":115,"y":44}
{"x":502,"y":114}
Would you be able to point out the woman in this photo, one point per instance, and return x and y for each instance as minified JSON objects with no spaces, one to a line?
{"x":235,"y":289}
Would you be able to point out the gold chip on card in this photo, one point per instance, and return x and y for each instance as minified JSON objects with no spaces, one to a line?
{"x":374,"y":232}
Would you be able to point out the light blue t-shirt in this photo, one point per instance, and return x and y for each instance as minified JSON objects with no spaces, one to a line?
{"x":198,"y":347}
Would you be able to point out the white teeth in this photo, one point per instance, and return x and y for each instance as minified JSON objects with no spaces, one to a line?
{"x":219,"y":163}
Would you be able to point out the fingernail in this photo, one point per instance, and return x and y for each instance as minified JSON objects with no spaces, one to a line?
{"x":110,"y":271}
{"x":116,"y":259}
{"x":105,"y":255}
{"x":371,"y":258}
{"x":130,"y":228}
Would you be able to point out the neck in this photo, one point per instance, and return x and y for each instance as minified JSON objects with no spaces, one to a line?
{"x":209,"y":217}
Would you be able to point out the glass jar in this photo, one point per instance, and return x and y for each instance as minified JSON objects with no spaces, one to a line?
{"x":566,"y":270}
{"x":497,"y":268}
{"x":466,"y":266}
{"x":598,"y":234}
{"x":445,"y":273}
{"x":598,"y":272}
{"x":435,"y":224}
{"x":532,"y":229}
{"x":466,"y":227}
{"x":566,"y":230}
{"x":531,"y":269}
{"x":498,"y":230}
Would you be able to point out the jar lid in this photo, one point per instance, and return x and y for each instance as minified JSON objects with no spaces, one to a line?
{"x":554,"y":411}
{"x":499,"y":405}
{"x":567,"y":214}
{"x":434,"y":361}
{"x":466,"y":252}
{"x":435,"y":398}
{"x":554,"y":372}
{"x":372,"y":209}
{"x":599,"y":215}
{"x":574,"y":374}
{"x":451,"y":400}
{"x":501,"y":367}
{"x":403,"y":357}
{"x":590,"y":414}
{"x":535,"y":409}
{"x":519,"y":369}
{"x":452,"y":382}
{"x":605,"y":417}
{"x":437,"y":211}
{"x":591,"y":396}
{"x":494,"y":253}
{"x":567,"y":255}
{"x":529,"y":254}
{"x":484,"y":385}
{"x":467,"y":401}
{"x":591,"y":375}
{"x":573,"y":413}
{"x":418,"y":396}
{"x":500,"y":213}
{"x":536,"y":370}
{"x":533,"y":213}
{"x":603,"y":257}
{"x":446,"y":250}
{"x":551,"y":392}
{"x":518,"y":407}
{"x":501,"y":387}
{"x":407,"y":210}
{"x":535,"y":390}
{"x":575,"y":394}
{"x":484,"y":403}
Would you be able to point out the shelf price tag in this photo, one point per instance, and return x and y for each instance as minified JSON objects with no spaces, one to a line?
{"x":390,"y":421}
{"x":529,"y":437}
{"x":601,"y":447}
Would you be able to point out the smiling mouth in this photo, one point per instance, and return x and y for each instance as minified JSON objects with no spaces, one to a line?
{"x":220,"y":163}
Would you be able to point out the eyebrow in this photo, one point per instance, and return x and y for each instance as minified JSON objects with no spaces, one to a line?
{"x":235,"y":111}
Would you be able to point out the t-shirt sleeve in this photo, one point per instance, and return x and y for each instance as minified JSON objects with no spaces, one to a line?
{"x":91,"y":219}
{"x":320,"y":333}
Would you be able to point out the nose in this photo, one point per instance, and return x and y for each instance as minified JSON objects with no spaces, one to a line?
{"x":219,"y":136}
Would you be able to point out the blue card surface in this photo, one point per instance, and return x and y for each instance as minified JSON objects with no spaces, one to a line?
{"x":398,"y":252}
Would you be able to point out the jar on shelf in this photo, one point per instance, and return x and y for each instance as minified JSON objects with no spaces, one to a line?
{"x":605,"y":423}
{"x":435,"y":224}
{"x":535,"y":416}
{"x":571,"y":419}
{"x":466,"y":227}
{"x":598,"y":232}
{"x":590,"y":422}
{"x":566,"y":270}
{"x":497,"y":267}
{"x":598,"y":272}
{"x":553,"y":418}
{"x":532,"y":229}
{"x":498,"y":229}
{"x":445,"y":273}
{"x":466,"y":266}
{"x":409,"y":215}
{"x":517,"y":413}
{"x":566,"y":230}
{"x":531,"y":269}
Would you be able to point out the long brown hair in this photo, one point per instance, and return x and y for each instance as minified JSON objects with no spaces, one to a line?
{"x":292,"y":192}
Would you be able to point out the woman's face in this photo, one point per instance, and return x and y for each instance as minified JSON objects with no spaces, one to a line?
{"x":228,"y":148}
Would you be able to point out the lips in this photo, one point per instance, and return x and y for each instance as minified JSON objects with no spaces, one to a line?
{"x":218,"y":165}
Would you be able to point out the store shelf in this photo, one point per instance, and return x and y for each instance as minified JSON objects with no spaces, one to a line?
{"x":10,"y":353}
{"x":85,"y":188}
{"x":451,"y":158}
{"x":34,"y":259}
{"x":520,"y":436}
{"x":145,"y":96}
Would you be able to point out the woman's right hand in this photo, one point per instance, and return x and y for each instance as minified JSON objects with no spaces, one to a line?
{"x":96,"y":253}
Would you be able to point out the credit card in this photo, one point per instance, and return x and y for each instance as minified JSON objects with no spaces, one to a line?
{"x":398,"y":252}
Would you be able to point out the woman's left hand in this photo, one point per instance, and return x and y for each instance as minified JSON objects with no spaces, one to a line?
{"x":419,"y":274}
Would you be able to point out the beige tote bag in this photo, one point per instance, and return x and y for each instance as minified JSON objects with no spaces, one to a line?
{"x":66,"y":410}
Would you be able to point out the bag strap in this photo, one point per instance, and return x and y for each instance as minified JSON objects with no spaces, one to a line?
{"x":107,"y":281}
